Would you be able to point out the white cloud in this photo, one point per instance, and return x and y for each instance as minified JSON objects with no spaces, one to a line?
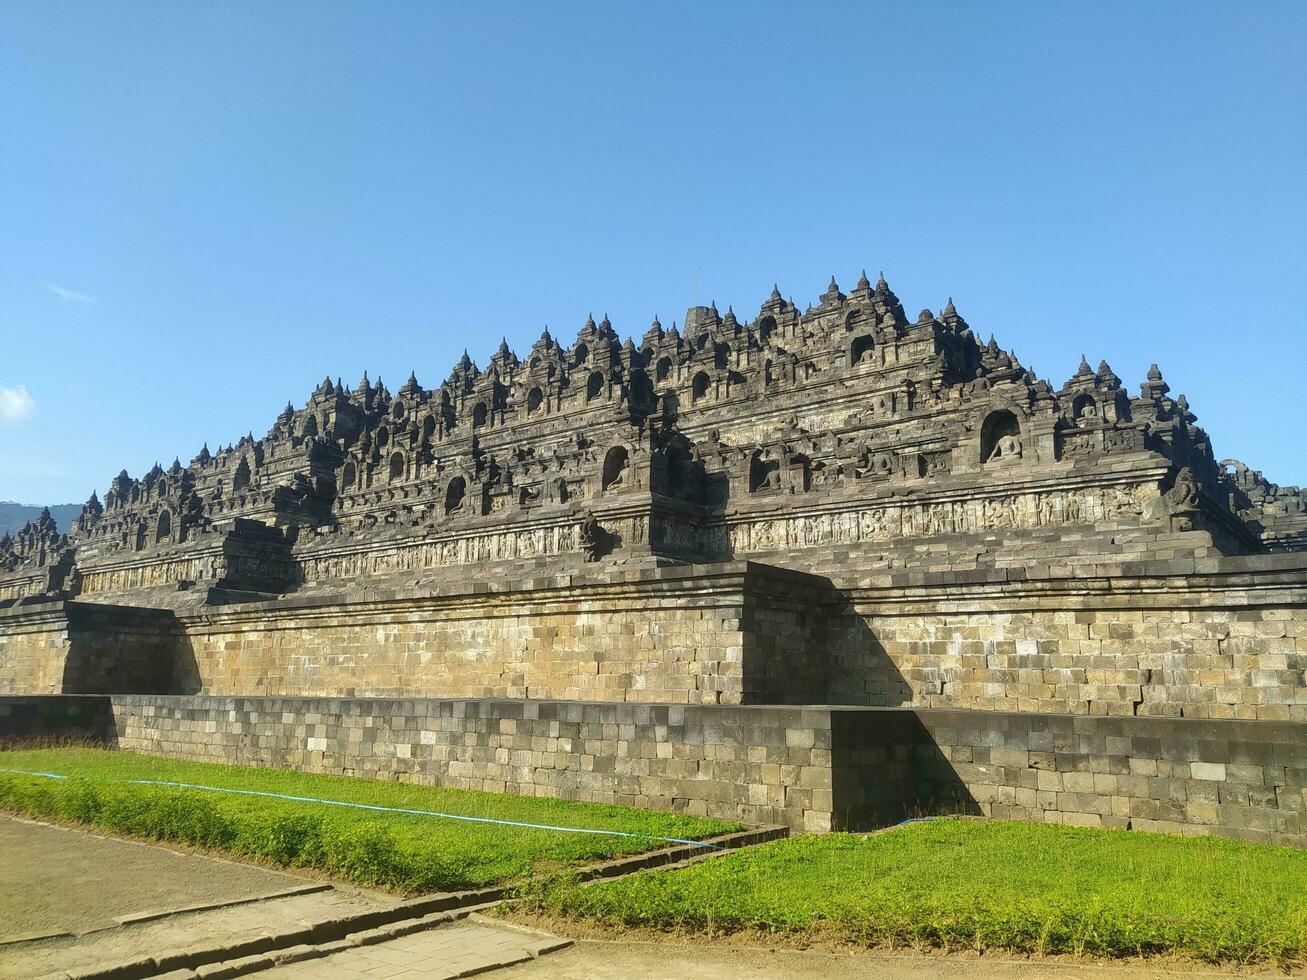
{"x":68,"y":295}
{"x":15,"y":404}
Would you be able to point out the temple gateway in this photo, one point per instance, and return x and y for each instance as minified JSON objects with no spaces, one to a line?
{"x":807,"y":566}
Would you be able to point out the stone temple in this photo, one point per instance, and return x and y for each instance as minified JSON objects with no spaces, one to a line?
{"x":818,"y":567}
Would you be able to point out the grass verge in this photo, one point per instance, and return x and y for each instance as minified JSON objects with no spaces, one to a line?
{"x":955,"y":884}
{"x":410,"y":854}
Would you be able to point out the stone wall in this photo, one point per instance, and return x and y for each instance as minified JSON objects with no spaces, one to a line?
{"x":811,"y":768}
{"x":679,"y":635}
{"x":674,"y":635}
{"x":36,"y":719}
{"x":1244,"y":779}
{"x":759,"y":765}
{"x":87,"y":648}
{"x":1218,"y":638}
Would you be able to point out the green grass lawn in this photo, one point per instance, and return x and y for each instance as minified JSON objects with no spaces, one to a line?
{"x":978,"y":885}
{"x":407,"y":853}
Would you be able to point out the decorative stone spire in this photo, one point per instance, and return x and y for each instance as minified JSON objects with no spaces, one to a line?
{"x":730,"y":320}
{"x":864,"y":284}
{"x":655,"y":332}
{"x":1182,"y":404}
{"x":287,"y":413}
{"x":364,"y":385}
{"x":589,"y":322}
{"x":832,"y":296}
{"x":949,"y":309}
{"x":1084,"y":370}
{"x":775,"y":296}
{"x":881,"y":285}
{"x":1155,"y":387}
{"x":1106,"y":377}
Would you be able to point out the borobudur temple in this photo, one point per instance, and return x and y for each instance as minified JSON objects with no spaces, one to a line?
{"x":818,"y":567}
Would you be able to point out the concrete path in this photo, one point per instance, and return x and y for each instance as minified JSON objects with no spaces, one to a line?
{"x":71,"y":900}
{"x":58,"y":880}
{"x":460,"y":949}
{"x":73,"y":903}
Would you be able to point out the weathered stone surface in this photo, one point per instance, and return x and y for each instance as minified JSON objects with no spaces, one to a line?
{"x":844,"y":439}
{"x":805,"y":767}
{"x":1229,"y":643}
{"x":834,"y":506}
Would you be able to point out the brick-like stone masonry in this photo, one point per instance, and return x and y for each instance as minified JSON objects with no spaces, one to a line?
{"x":1243,"y":779}
{"x":1225,"y":641}
{"x":811,"y":768}
{"x":763,"y":765}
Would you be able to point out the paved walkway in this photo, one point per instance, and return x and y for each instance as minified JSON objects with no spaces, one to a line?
{"x":71,"y":900}
{"x":457,"y":950}
{"x":57,"y":880}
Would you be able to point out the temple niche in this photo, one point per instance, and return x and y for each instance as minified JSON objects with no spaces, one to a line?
{"x":1000,"y":438}
{"x":845,"y":424}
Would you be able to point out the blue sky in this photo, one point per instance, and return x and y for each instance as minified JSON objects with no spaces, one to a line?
{"x":205,"y":208}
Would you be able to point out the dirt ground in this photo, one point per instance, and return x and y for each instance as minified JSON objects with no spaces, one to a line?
{"x":591,"y":959}
{"x":608,"y":953}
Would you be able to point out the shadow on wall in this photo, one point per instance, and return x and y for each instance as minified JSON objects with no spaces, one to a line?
{"x":185,"y":668}
{"x":127,"y":650}
{"x":886,"y":767}
{"x":40,"y":720}
{"x":860,"y":670}
{"x":806,"y":644}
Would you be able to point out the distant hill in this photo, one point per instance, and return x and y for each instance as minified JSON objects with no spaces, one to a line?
{"x":13,"y":516}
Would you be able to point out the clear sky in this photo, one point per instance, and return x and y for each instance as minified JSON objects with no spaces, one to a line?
{"x":207,"y":207}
